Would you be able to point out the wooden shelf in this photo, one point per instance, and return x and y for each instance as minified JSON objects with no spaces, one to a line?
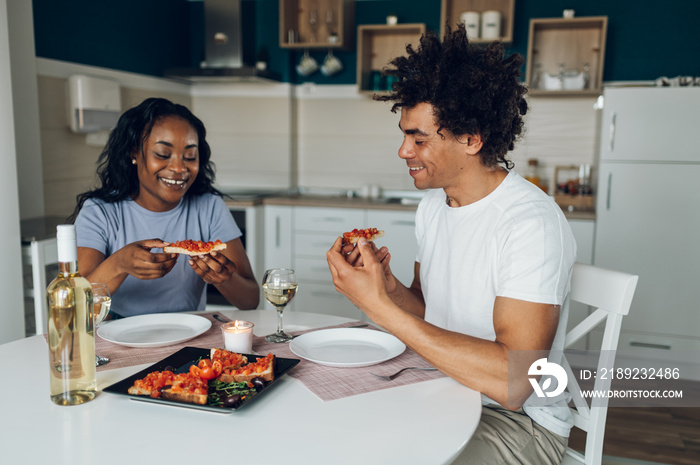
{"x":295,"y":26}
{"x":452,"y":9}
{"x":377,"y":44}
{"x":571,"y":43}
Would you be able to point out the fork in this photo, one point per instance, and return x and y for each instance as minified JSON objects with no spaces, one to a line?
{"x":393,"y":376}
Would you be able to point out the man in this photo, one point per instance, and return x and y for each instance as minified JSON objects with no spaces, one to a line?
{"x":495,"y":253}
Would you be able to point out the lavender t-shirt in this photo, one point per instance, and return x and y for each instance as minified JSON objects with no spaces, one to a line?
{"x":107,"y":227}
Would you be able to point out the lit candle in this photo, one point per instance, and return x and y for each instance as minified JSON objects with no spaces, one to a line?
{"x":238,"y":336}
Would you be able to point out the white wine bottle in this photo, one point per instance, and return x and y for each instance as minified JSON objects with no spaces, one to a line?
{"x":70,"y":327}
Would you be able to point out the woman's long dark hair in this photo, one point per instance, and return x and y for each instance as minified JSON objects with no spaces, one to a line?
{"x":117,"y":174}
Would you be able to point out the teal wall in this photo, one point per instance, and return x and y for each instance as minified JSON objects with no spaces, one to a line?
{"x":128,"y":35}
{"x":646,"y":38}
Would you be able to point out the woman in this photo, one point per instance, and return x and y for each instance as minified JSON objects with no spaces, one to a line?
{"x":157,"y":188}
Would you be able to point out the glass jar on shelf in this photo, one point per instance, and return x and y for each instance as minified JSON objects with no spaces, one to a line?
{"x":532,"y":174}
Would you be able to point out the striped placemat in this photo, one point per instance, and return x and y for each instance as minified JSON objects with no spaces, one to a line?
{"x":328,"y":383}
{"x":122,"y":356}
{"x":331,"y":383}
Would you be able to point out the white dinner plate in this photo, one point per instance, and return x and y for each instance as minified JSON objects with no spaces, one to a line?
{"x":347,"y":347}
{"x":153,"y":330}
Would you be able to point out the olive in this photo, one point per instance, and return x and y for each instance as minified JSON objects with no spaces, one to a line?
{"x":232,"y":400}
{"x":258,"y":383}
{"x":169,"y":368}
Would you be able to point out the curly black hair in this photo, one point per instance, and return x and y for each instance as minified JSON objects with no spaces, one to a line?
{"x":473,"y":88}
{"x":117,"y":174}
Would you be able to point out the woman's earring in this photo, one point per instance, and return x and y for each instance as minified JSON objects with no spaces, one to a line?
{"x":133,"y":161}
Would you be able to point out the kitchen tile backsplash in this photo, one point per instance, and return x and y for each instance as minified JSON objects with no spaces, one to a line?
{"x":342,"y":140}
{"x":558,"y":131}
{"x":250,"y":138}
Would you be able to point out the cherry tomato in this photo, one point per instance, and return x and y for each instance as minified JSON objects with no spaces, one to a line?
{"x":195,"y":371}
{"x":205,"y":362}
{"x":207,"y":373}
{"x":217,"y":367}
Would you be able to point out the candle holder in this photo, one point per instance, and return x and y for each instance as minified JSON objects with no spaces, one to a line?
{"x":238,"y":336}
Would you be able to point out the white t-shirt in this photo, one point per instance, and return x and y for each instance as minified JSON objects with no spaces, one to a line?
{"x":513,"y":243}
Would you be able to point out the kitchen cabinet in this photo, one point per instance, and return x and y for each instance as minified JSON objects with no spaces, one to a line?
{"x":565,"y":56}
{"x":314,"y":231}
{"x":277,"y":240}
{"x":298,"y":237}
{"x":647,"y":220}
{"x":306,"y":24}
{"x":584,"y":232}
{"x":377,"y":44}
{"x":452,"y":9}
{"x":249,"y":217}
{"x":277,"y":237}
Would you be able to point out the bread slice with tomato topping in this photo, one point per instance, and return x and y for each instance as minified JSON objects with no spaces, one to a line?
{"x":194,"y":248}
{"x":264,"y":368}
{"x":152,"y":384}
{"x":228,"y":359}
{"x":371,"y":234}
{"x":187,"y":388}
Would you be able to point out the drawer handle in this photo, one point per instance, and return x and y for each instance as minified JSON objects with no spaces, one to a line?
{"x":333,"y":219}
{"x":650,"y":345}
{"x":277,"y":232}
{"x":404,"y":223}
{"x":334,"y":295}
{"x":319,"y":268}
{"x":613,"y":125}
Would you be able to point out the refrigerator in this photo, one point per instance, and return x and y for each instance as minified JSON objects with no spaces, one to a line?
{"x":648,"y":213}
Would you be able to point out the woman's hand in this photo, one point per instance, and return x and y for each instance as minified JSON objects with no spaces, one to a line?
{"x":137,"y":259}
{"x":213,"y":268}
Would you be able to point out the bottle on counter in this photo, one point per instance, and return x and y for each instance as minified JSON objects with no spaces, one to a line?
{"x":584,"y":180}
{"x":532,"y":174}
{"x":71,"y":334}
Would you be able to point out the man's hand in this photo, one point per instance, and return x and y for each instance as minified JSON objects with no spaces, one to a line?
{"x":354,"y":257}
{"x":362,"y":278}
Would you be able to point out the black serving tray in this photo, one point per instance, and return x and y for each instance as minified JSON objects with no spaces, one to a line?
{"x":181,"y":361}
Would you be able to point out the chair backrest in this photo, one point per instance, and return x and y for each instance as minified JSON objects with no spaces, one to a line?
{"x":40,"y":254}
{"x":610,"y":294}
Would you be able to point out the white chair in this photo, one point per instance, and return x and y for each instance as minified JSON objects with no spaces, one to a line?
{"x":39,"y":253}
{"x":610,"y":292}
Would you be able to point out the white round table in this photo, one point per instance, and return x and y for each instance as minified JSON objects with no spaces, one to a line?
{"x":422,"y":423}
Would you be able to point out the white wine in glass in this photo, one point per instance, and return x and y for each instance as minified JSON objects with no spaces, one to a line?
{"x":102,"y":301}
{"x":280,"y":287}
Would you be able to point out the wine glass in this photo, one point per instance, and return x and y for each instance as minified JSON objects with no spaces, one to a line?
{"x":313,"y":23}
{"x":102,"y":301}
{"x":279,"y":286}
